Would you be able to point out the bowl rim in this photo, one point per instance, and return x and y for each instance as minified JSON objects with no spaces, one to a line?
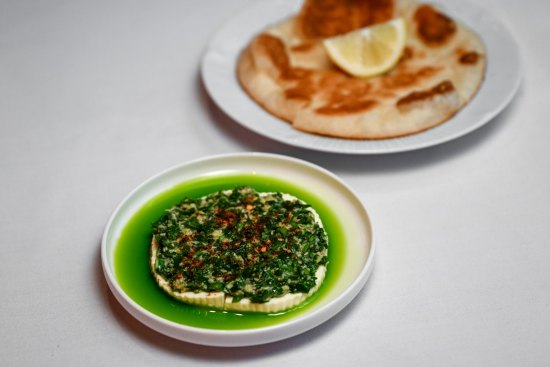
{"x":238,"y":337}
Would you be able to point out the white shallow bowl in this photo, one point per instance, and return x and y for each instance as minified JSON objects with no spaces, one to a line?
{"x":357,"y":233}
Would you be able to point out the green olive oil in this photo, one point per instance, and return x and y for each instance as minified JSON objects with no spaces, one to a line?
{"x":132,"y":254}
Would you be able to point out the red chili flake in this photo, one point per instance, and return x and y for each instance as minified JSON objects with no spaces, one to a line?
{"x":264,"y":249}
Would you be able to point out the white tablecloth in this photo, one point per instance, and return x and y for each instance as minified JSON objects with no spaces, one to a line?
{"x":96,"y":96}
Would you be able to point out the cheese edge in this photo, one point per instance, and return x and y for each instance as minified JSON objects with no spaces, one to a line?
{"x":220,"y":301}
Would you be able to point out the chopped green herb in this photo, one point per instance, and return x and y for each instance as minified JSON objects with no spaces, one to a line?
{"x":241,"y":242}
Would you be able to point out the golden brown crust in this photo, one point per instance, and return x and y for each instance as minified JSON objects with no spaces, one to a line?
{"x":326,"y":18}
{"x":417,"y":96}
{"x":434,"y":28}
{"x":293,"y":78}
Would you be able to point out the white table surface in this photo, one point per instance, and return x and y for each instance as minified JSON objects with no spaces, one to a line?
{"x":96,"y":96}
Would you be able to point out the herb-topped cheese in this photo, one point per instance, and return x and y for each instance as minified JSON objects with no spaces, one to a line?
{"x":240,"y":250}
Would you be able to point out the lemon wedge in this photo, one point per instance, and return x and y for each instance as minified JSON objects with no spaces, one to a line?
{"x":368,"y":51}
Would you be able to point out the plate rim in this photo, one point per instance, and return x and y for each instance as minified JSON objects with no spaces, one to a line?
{"x":239,"y":337}
{"x":421,"y":140}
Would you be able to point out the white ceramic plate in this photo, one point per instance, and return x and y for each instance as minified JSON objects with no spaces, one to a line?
{"x":219,"y":65}
{"x":356,"y":236}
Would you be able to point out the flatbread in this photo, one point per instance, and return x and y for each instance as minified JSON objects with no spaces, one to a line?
{"x":287,"y":71}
